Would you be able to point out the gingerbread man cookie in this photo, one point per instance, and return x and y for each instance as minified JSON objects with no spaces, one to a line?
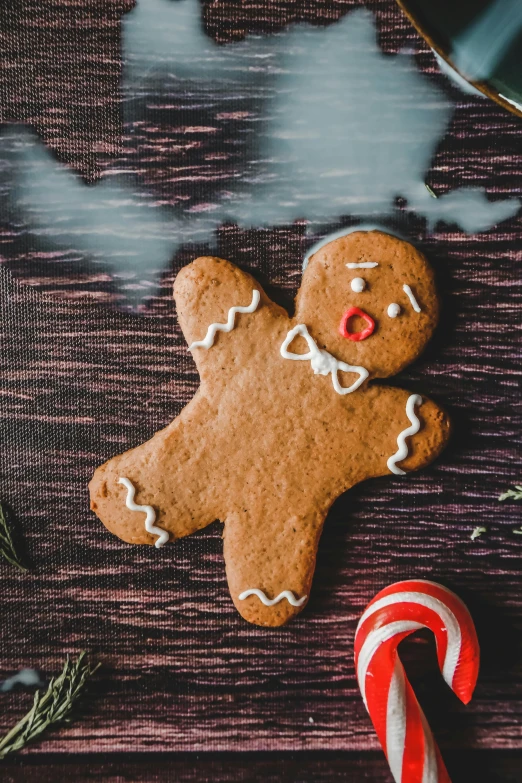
{"x":286,"y":418}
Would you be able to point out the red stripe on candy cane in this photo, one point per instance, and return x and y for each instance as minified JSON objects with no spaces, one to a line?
{"x":401,"y":726}
{"x":417,"y":764}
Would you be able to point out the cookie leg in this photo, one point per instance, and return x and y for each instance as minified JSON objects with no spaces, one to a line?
{"x":166,"y":478}
{"x":270,"y":562}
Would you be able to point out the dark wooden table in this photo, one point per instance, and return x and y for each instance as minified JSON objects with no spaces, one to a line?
{"x":188,"y":690}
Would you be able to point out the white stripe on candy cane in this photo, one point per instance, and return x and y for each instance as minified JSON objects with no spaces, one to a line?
{"x":372,"y":643}
{"x":449,"y":620}
{"x":430,"y":771}
{"x":395,"y":712}
{"x":396,"y":721}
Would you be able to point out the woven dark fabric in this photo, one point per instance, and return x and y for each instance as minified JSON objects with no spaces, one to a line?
{"x":82,"y":377}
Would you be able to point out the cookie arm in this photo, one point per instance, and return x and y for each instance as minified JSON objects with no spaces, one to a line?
{"x":162,"y":485}
{"x":408,"y":432}
{"x":213,"y":297}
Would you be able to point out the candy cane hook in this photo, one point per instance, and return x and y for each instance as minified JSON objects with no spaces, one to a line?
{"x":393,"y":614}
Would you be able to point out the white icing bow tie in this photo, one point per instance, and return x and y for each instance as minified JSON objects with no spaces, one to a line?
{"x":323,"y":363}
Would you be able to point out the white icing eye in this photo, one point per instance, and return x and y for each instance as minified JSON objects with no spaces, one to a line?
{"x":358,"y":285}
{"x":394,"y":310}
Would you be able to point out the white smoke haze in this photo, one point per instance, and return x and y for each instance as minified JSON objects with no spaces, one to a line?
{"x":344,"y":131}
{"x":27,"y":678}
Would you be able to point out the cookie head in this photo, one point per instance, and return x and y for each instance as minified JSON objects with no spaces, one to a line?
{"x":370,"y":300}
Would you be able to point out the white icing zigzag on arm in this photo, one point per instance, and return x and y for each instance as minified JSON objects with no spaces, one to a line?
{"x":271,"y":601}
{"x":208,"y":342}
{"x":402,"y":451}
{"x":150,"y":527}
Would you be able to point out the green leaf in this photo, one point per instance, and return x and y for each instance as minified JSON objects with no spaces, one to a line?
{"x":51,"y":707}
{"x":7,"y":549}
{"x":512,"y":494}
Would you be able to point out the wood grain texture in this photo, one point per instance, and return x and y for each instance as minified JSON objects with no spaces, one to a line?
{"x":305,"y":767}
{"x":50,"y":75}
{"x":80,"y":381}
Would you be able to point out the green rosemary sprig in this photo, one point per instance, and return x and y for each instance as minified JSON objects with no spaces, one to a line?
{"x":52,"y":707}
{"x":430,"y":190}
{"x":512,"y":494}
{"x":7,"y":549}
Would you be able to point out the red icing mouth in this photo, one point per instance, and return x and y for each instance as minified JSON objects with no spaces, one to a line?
{"x":356,"y":336}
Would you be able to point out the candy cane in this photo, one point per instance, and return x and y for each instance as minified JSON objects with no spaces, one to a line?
{"x":394,"y":613}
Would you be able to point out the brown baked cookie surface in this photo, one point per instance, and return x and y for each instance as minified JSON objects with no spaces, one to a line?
{"x":286,"y":418}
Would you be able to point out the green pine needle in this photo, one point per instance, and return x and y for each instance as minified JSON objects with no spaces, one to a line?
{"x":52,"y":707}
{"x":512,"y":494}
{"x":7,"y":549}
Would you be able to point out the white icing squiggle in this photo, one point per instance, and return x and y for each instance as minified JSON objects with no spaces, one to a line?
{"x":363,"y":265}
{"x":323,"y":363}
{"x":409,"y":293}
{"x":402,"y":451}
{"x":150,"y":527}
{"x":271,"y":601}
{"x":208,"y":342}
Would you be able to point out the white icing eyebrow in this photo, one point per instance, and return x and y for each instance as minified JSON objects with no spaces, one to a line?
{"x":363,"y":265}
{"x":409,"y":293}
